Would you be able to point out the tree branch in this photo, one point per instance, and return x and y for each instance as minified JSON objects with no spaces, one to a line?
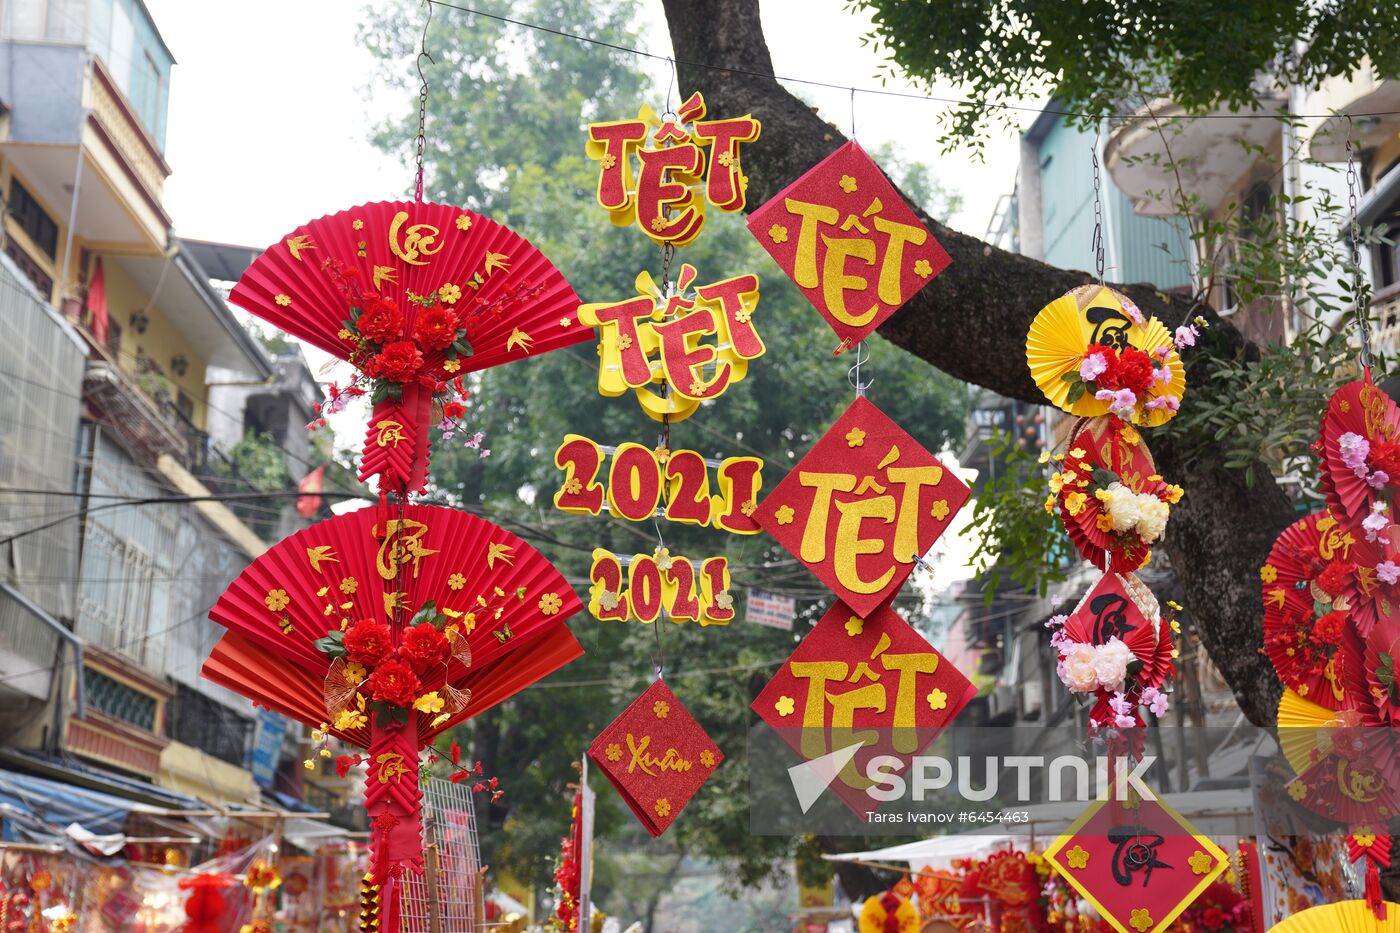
{"x":971,"y":322}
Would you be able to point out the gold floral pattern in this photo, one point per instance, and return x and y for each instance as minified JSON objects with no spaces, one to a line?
{"x":456,"y":581}
{"x":349,"y":585}
{"x":778,"y":233}
{"x":848,"y":184}
{"x":707,"y":759}
{"x":277,"y":600}
{"x":784,"y":515}
{"x":855,"y":437}
{"x":785,"y":706}
{"x":550,"y":603}
{"x":661,"y":708}
{"x":463,"y":222}
{"x":855,"y":625}
{"x":1078,"y":857}
{"x":939,"y":509}
{"x":283,"y":300}
{"x":937,"y":699}
{"x":662,"y":807}
{"x":613,"y":752}
{"x":449,"y":293}
{"x":922,"y":268}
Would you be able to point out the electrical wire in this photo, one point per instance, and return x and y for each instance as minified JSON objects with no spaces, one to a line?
{"x":879,"y":92}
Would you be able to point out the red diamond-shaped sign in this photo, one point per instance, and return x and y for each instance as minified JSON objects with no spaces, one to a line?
{"x":862,"y":505}
{"x":1137,"y":861}
{"x":657,"y":756}
{"x":871,"y":679}
{"x":849,"y":241}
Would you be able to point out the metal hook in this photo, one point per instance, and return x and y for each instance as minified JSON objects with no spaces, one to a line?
{"x":1097,"y":243}
{"x":853,"y":374}
{"x":420,"y":142}
{"x":1360,"y":291}
{"x":670,"y":85}
{"x":853,"y":113}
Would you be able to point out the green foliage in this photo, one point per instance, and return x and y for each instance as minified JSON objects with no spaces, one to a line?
{"x":507,"y":113}
{"x":1092,"y":56}
{"x":1016,"y":536}
{"x":258,"y":461}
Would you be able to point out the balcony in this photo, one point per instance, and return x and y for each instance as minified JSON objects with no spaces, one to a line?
{"x":70,"y":127}
{"x":1385,"y":313}
{"x":143,"y":423}
{"x":1212,"y":156}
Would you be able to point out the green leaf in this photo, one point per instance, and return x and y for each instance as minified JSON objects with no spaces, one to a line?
{"x":1071,"y":376}
{"x":1076,"y":392}
{"x":462,"y":346}
{"x":333,"y":645}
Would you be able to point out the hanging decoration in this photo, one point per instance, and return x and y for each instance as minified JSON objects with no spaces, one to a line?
{"x":888,"y":913}
{"x":656,"y":755}
{"x":1111,"y":498}
{"x":850,"y":242}
{"x":863,"y":506}
{"x":385,"y":627}
{"x":1137,"y":861}
{"x":675,"y":344}
{"x":1359,"y":454}
{"x":1116,"y":648}
{"x":414,"y":296}
{"x":869,"y":678}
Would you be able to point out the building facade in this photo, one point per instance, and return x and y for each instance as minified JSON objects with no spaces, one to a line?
{"x":123,"y":514}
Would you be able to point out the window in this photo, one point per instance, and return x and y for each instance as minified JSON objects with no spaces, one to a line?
{"x":120,"y":701}
{"x":32,"y":219}
{"x":209,"y":726}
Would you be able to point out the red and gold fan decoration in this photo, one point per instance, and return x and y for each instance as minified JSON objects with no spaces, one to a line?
{"x":1359,"y":453}
{"x":414,"y":295}
{"x":1311,"y":583}
{"x":385,"y":627}
{"x":1344,"y":917}
{"x":1111,"y":498}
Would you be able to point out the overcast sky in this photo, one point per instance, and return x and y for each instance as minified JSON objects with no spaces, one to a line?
{"x":269,"y":117}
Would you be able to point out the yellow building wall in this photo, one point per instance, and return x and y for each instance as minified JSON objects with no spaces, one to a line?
{"x":161,"y":341}
{"x":51,"y":267}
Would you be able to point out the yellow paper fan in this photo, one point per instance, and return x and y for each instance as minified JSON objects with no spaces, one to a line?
{"x":873,"y":914}
{"x":1343,"y":917}
{"x":1065,"y":328}
{"x":1305,"y":730}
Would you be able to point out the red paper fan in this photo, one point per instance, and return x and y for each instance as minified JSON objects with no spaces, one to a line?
{"x":1310,"y":588}
{"x":446,"y":613}
{"x":1362,"y":409}
{"x":1380,"y":697}
{"x":457,"y":560}
{"x":321,"y":281}
{"x":1118,"y":606}
{"x":1107,"y":451}
{"x":403,"y":247}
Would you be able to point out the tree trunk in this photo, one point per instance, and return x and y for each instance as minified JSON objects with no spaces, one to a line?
{"x":971,"y":322}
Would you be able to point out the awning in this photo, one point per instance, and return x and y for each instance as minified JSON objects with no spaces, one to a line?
{"x":936,"y":853}
{"x":37,"y":809}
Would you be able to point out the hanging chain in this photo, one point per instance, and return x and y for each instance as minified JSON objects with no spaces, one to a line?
{"x":1360,"y":290}
{"x":853,"y":113}
{"x":1098,"y":208}
{"x":420,"y":143}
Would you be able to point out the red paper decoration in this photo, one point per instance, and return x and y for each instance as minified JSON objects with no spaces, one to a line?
{"x":1351,"y":480}
{"x":855,"y":674}
{"x":862,"y":505}
{"x":414,"y":295}
{"x":656,"y":755}
{"x":1137,"y":862}
{"x":849,"y":241}
{"x":494,"y":608}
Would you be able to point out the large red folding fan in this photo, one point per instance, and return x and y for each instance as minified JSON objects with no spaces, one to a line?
{"x":391,"y":624}
{"x":461,"y":291}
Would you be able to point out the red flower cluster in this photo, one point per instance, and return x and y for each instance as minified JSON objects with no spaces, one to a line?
{"x":1385,"y":456}
{"x":435,"y":328}
{"x":423,"y":646}
{"x":367,"y":642}
{"x":398,"y":362}
{"x":1131,"y":369}
{"x":380,"y":320}
{"x":1334,"y":578}
{"x":394,"y":682}
{"x":1328,"y":629}
{"x":454,"y":410}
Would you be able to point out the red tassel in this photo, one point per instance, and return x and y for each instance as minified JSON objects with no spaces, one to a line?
{"x":1373,"y":890}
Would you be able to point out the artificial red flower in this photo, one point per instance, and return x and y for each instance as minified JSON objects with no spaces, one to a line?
{"x":1385,"y":456}
{"x":380,"y":321}
{"x":398,"y":362}
{"x":1213,"y":918}
{"x":454,"y":410}
{"x":344,"y":763}
{"x":1131,"y":370}
{"x":394,"y":682}
{"x":367,"y":642}
{"x":1334,"y":577}
{"x":423,"y":645}
{"x":1328,"y":629}
{"x":435,"y":328}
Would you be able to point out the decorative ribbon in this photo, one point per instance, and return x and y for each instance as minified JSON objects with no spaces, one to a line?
{"x":1376,"y":850}
{"x":394,"y":800}
{"x":397,"y":443}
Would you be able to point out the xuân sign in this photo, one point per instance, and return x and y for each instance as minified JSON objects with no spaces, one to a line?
{"x":660,"y":338}
{"x":641,"y":478}
{"x":652,"y":582}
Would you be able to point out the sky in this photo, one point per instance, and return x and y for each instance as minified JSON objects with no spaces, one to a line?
{"x":269,"y":127}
